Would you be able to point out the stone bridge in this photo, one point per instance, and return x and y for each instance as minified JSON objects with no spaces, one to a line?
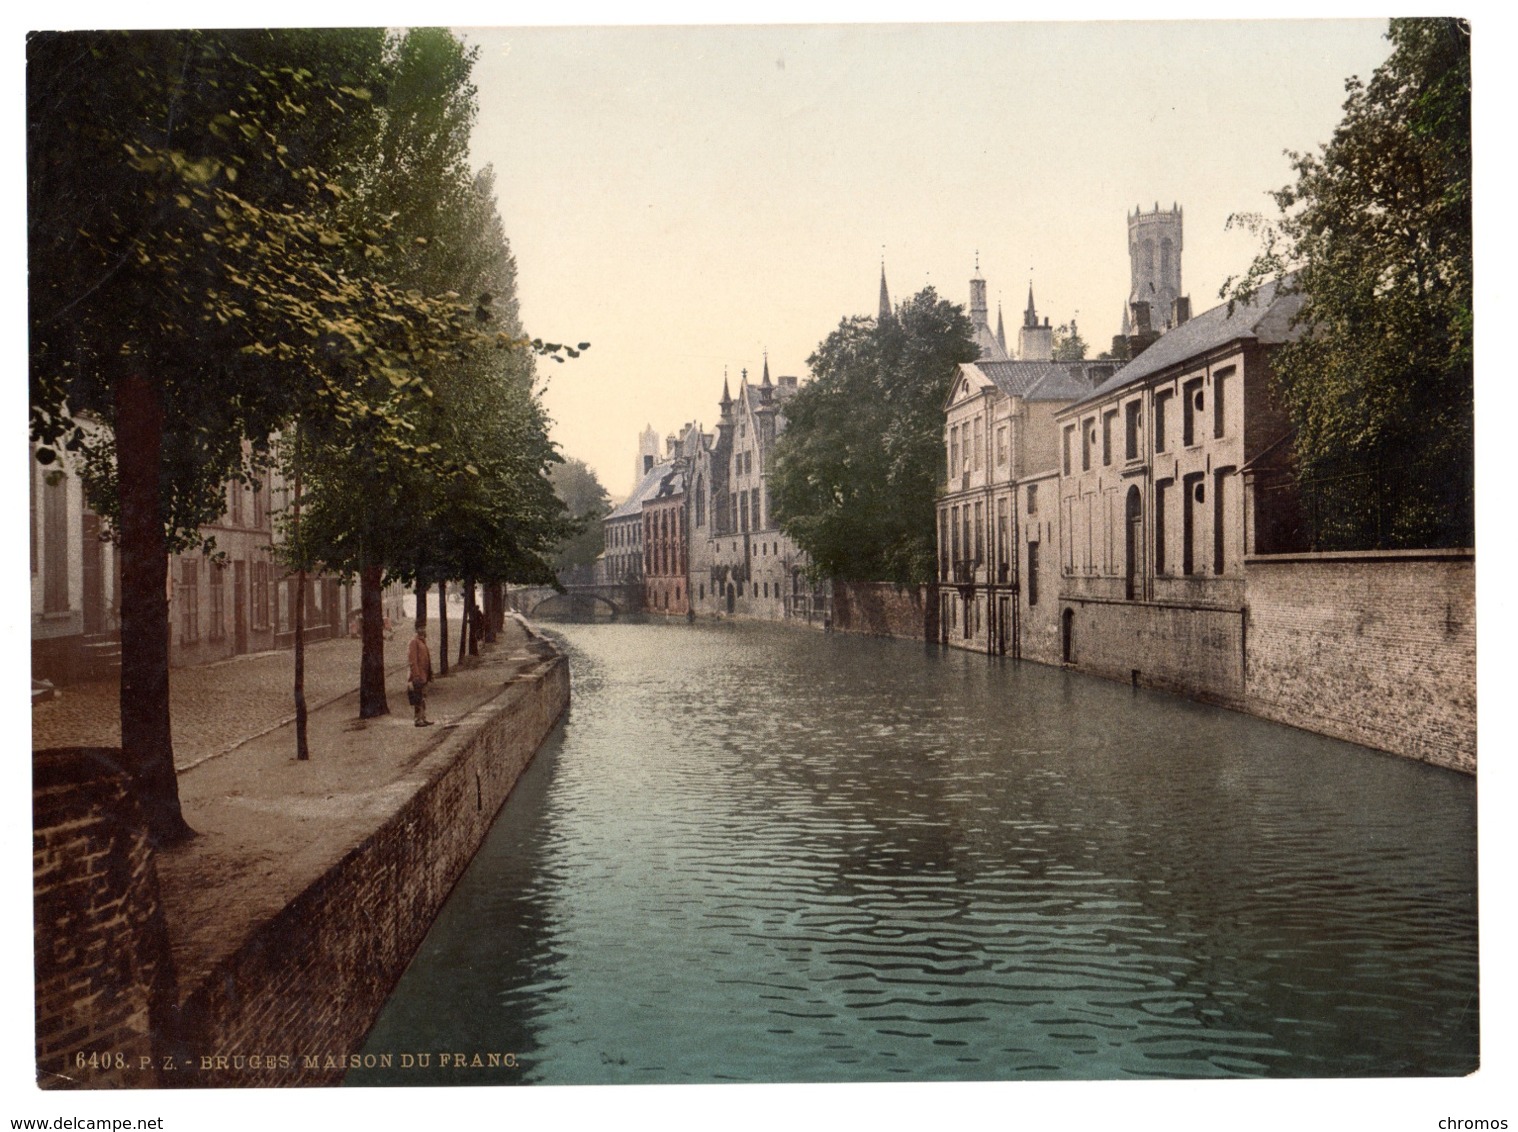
{"x":576,"y":600}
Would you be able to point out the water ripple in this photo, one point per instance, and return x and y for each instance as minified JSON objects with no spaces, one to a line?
{"x":760,"y":855}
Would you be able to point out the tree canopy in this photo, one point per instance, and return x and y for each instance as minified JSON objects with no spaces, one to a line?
{"x":857,"y":469}
{"x":227,"y":231}
{"x":1376,"y":234}
{"x":586,"y":501}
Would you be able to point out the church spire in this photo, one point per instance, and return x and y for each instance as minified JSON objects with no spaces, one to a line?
{"x":885,"y":296}
{"x":766,"y":380}
{"x":1030,"y":316}
{"x":1001,"y":330}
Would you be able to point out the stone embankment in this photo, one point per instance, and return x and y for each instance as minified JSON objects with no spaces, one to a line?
{"x":267,"y":944}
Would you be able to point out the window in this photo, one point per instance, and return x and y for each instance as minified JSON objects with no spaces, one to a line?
{"x":1088,"y":441}
{"x":980,"y":533}
{"x":236,"y":511}
{"x":758,"y":515}
{"x":1033,"y":573}
{"x":700,"y":501}
{"x":1219,"y":518}
{"x":953,"y":451}
{"x":1109,"y":421}
{"x":1196,"y":496}
{"x":1191,"y":411}
{"x":218,"y":580}
{"x":1220,"y":381}
{"x":1069,"y":443}
{"x":1132,"y":428}
{"x":1161,"y":499}
{"x":1001,"y":446}
{"x":979,"y":446}
{"x":55,"y":543}
{"x":1033,"y":499}
{"x":189,"y":600}
{"x":260,"y":595}
{"x":1161,"y":403}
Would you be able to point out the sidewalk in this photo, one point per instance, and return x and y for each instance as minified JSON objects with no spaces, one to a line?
{"x":216,"y":707}
{"x":269,"y":826}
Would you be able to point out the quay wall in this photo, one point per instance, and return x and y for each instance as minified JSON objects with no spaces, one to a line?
{"x":314,"y":977}
{"x":1193,"y":650}
{"x":311,"y":978}
{"x":882,"y":609}
{"x":1378,"y":648}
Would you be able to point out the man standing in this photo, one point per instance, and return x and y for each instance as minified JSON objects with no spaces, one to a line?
{"x":419,"y":658}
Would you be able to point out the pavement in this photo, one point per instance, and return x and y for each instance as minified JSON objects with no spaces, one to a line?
{"x":214,"y":708}
{"x":268,"y":825}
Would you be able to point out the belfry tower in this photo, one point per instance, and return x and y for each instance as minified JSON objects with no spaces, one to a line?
{"x":1154,"y":254}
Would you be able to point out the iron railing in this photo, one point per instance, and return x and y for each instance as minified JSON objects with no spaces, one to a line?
{"x":1408,"y":507}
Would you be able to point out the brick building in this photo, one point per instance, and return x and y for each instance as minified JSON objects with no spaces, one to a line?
{"x":1151,"y":501}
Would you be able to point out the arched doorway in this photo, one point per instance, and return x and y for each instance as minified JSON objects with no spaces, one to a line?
{"x":1135,"y":543}
{"x":732,"y":597}
{"x":1067,"y":636}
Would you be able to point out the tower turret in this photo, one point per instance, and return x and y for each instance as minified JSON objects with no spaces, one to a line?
{"x":1154,"y":255}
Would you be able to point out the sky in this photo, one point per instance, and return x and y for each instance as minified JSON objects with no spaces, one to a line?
{"x":687,"y":198}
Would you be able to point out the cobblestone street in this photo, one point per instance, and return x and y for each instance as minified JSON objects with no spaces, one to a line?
{"x":216,"y":707}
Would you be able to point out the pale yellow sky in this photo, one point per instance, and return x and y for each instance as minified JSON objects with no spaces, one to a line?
{"x":686,"y":197}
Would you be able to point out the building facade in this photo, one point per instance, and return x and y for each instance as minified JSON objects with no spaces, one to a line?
{"x":1000,"y":443}
{"x":755,"y":569}
{"x":1154,"y":527}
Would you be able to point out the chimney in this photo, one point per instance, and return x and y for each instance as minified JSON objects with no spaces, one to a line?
{"x":648,"y":464}
{"x":1182,"y":310}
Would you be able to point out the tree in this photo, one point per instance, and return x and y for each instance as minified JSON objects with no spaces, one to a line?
{"x":189,"y":287}
{"x":1375,"y":234}
{"x":857,"y":469}
{"x":586,"y":501}
{"x":1069,"y":346}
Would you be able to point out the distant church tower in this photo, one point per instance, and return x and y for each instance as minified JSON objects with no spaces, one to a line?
{"x":991,"y":349}
{"x":648,"y":453}
{"x":1035,"y":342}
{"x":885,"y":296}
{"x":1154,"y":254}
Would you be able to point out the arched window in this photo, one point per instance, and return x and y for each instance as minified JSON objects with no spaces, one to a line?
{"x":700,"y":501}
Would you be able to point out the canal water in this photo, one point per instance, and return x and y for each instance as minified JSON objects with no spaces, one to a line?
{"x":758,"y":854}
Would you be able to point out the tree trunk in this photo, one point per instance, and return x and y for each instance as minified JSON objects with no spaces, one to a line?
{"x":371,"y":669}
{"x":476,"y":617}
{"x":146,"y":741}
{"x":492,"y":611}
{"x":421,"y":604}
{"x":442,"y":628}
{"x":466,"y":629}
{"x":302,"y":750}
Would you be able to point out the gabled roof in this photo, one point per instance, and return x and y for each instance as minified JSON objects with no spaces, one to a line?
{"x":1036,"y":381}
{"x":1268,"y":320}
{"x":648,"y":488}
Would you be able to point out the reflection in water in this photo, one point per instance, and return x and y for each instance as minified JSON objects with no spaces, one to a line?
{"x":758,"y":854}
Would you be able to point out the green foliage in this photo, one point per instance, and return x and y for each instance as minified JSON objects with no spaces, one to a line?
{"x":857,"y":469}
{"x":586,"y":501}
{"x":1069,"y":346}
{"x":1376,"y":233}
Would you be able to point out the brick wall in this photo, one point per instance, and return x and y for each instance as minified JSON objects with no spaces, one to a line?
{"x":104,"y":977}
{"x":1193,"y":650}
{"x":314,"y":977}
{"x":1376,"y":648}
{"x":880,"y":609}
